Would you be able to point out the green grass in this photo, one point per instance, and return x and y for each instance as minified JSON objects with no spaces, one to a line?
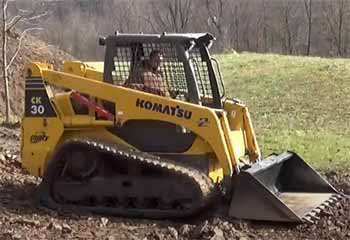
{"x":297,"y":103}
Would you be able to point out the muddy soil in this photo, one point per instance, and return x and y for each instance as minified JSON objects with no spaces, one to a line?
{"x":22,"y":217}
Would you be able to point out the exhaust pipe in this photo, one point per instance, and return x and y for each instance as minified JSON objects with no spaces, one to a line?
{"x":280,"y":188}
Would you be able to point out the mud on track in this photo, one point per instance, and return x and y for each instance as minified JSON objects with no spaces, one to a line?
{"x":21,"y":216}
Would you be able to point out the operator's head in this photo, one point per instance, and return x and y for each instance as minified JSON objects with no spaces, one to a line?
{"x":155,"y":58}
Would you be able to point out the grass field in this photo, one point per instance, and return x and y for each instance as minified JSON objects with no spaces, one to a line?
{"x":297,"y":103}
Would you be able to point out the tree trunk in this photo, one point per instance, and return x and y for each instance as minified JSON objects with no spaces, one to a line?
{"x":308,"y":9}
{"x":340,"y":28}
{"x":289,"y":34}
{"x":4,"y":65}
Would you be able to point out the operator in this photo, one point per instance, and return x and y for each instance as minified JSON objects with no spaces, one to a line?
{"x":151,"y":75}
{"x":149,"y":78}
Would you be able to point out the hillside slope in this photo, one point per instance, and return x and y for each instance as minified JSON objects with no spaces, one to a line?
{"x":297,"y":103}
{"x":32,"y":49}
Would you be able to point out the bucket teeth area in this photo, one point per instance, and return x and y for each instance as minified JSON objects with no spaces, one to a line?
{"x":301,"y":203}
{"x":314,"y":215}
{"x":312,"y":218}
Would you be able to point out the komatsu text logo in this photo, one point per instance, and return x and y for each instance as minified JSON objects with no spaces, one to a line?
{"x":165,"y":109}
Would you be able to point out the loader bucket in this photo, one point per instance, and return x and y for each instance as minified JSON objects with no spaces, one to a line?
{"x":280,"y":188}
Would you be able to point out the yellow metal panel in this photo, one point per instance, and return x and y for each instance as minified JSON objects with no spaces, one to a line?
{"x":63,"y":104}
{"x":237,"y":140}
{"x":82,"y":120}
{"x":229,"y":142}
{"x":234,"y":114}
{"x":239,"y":121}
{"x":253,"y":147}
{"x":216,"y":173}
{"x":96,"y":66}
{"x":33,"y":159}
{"x":199,"y":147}
{"x":93,"y":70}
{"x":74,"y":67}
{"x":94,"y":75}
{"x":35,"y":69}
{"x":39,"y":140}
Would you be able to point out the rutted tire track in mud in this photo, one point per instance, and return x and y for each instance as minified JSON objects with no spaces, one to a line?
{"x":21,"y":217}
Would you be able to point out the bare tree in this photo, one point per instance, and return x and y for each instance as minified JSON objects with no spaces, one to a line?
{"x":308,"y":11}
{"x":290,"y":25}
{"x":125,"y":17}
{"x":334,"y":13}
{"x":215,"y":12}
{"x":4,"y":58}
{"x":7,"y":25}
{"x":236,"y":9}
{"x":219,"y":18}
{"x":264,"y":25}
{"x":172,"y":15}
{"x":286,"y":8}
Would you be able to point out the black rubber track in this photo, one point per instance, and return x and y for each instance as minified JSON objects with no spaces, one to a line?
{"x":203,"y":185}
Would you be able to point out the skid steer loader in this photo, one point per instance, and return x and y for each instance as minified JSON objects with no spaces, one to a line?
{"x":104,"y":140}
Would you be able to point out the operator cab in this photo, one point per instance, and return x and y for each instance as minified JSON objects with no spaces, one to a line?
{"x":187,"y":70}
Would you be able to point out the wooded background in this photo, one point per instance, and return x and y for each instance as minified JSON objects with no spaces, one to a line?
{"x":295,"y":27}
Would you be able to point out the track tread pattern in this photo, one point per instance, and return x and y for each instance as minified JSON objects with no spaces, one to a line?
{"x":207,"y":188}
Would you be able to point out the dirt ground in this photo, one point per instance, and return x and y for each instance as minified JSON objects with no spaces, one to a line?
{"x":21,"y":216}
